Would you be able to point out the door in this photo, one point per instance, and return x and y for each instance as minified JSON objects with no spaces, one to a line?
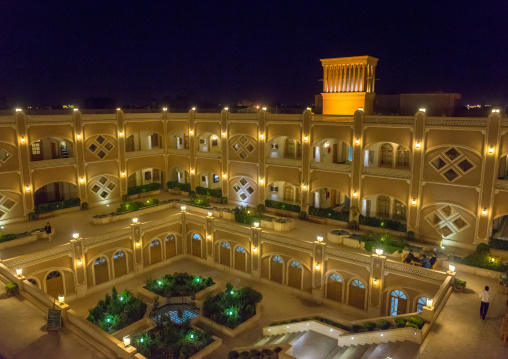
{"x":37,"y":151}
{"x":100,"y":268}
{"x":334,"y":153}
{"x":54,"y":284}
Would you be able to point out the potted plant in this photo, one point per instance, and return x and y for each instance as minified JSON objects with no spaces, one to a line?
{"x":459,"y":285}
{"x":12,"y":289}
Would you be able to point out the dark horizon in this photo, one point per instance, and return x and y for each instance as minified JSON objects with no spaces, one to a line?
{"x":258,"y":52}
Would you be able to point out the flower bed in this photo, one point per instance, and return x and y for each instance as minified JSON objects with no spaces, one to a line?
{"x":178,"y":285}
{"x":232,"y":307}
{"x":255,"y":354}
{"x":135,"y":206}
{"x":143,"y":188}
{"x":283,"y":224}
{"x":342,"y":216}
{"x":184,"y":187}
{"x":282,"y":205}
{"x":117,"y":311}
{"x":170,"y":340}
{"x":392,"y":224}
{"x":53,"y":206}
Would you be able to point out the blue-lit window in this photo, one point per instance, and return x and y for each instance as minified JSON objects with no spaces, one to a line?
{"x":277,"y":259}
{"x":240,"y":249}
{"x":119,"y":255}
{"x":295,"y":264}
{"x":196,"y":237}
{"x":350,"y":153}
{"x":225,"y":245}
{"x":394,"y":301}
{"x":336,"y":278}
{"x":99,"y":261}
{"x":422,"y":302}
{"x":357,"y":283}
{"x":170,"y":238}
{"x":155,"y":243}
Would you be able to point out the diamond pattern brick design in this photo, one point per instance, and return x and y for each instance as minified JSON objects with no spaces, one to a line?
{"x":243,"y":147}
{"x":101,"y":147}
{"x":243,"y":189}
{"x":4,"y":156}
{"x":447,"y":221}
{"x":103,"y":187}
{"x":452,"y":164}
{"x":6,"y":205}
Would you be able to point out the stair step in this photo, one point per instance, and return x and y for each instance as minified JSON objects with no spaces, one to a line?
{"x":332,"y":354}
{"x":368,"y":352}
{"x":296,"y":337}
{"x":407,"y":350}
{"x":349,"y":353}
{"x":359,"y":351}
{"x":340,"y":352}
{"x":384,"y":349}
{"x":283,"y":338}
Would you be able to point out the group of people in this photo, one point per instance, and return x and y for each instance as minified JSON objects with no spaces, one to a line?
{"x":424,"y":261}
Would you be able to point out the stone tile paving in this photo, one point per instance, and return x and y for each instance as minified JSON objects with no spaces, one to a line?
{"x":23,"y":334}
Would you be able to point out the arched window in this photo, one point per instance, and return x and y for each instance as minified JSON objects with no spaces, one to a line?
{"x":54,"y":284}
{"x":99,"y":261}
{"x":357,"y":283}
{"x":119,"y":264}
{"x":397,"y":302}
{"x":335,"y":277}
{"x":422,"y":302}
{"x":119,"y":255}
{"x":196,"y":237}
{"x":402,"y":156}
{"x":226,"y":245}
{"x":277,"y":259}
{"x":155,"y":243}
{"x":383,"y":206}
{"x":54,"y":274}
{"x":399,"y":210}
{"x":32,"y":281}
{"x":295,"y":264}
{"x":290,"y":148}
{"x":240,"y":249}
{"x":170,"y":238}
{"x":386,"y":155}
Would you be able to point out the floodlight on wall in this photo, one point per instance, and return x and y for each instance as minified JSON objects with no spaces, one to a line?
{"x":183,"y":208}
{"x":61,"y":299}
{"x":354,"y":193}
{"x":193,"y":109}
{"x":422,"y":109}
{"x":23,"y":139}
{"x":494,"y":110}
{"x":491,"y":149}
{"x":126,"y":341}
{"x":18,"y":110}
{"x":360,"y":109}
{"x":484,"y":211}
{"x":309,"y":109}
{"x":79,"y":262}
{"x":75,"y":235}
{"x":256,"y":224}
{"x":75,"y":109}
{"x":226,"y":108}
{"x":264,"y":108}
{"x":118,"y":109}
{"x":379,"y":251}
{"x":82,"y":180}
{"x":375,"y":282}
{"x":414,"y":201}
{"x":319,"y":239}
{"x":164,"y":109}
{"x":418,"y":144}
{"x":430,"y":301}
{"x":134,"y":220}
{"x":19,"y":272}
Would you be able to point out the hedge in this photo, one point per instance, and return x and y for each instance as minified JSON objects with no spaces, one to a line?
{"x":134,"y":206}
{"x":282,"y":205}
{"x":184,"y":187}
{"x":501,"y":244}
{"x":53,"y":206}
{"x":144,"y":188}
{"x":329,"y":213}
{"x":392,"y":224}
{"x":7,"y":237}
{"x":217,"y":193}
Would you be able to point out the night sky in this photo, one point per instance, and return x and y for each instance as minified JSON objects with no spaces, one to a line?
{"x":227,"y":52}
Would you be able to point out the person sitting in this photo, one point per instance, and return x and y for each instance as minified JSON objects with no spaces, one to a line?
{"x":410,"y":257}
{"x":433,"y":260}
{"x":426,"y":262}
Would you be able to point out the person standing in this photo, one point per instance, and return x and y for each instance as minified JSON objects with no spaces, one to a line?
{"x":433,"y":260}
{"x":485,"y":300}
{"x":47,"y":229}
{"x":426,"y":262}
{"x":410,"y":257}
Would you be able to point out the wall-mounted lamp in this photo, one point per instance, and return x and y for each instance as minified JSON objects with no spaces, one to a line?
{"x":264,"y":108}
{"x":23,"y":139}
{"x":192,"y":172}
{"x":208,"y":236}
{"x":255,"y":249}
{"x":18,"y":110}
{"x":354,"y":193}
{"x":76,"y":109}
{"x":79,"y":262}
{"x":309,"y":109}
{"x":193,"y":109}
{"x":451,"y":268}
{"x":357,"y":141}
{"x":138,"y":244}
{"x":224,"y":134}
{"x":491,"y":149}
{"x":306,"y":138}
{"x":210,"y":214}
{"x":496,"y":110}
{"x":319,"y":239}
{"x":261,"y":136}
{"x":417,"y":145}
{"x":375,"y":282}
{"x":304,"y":186}
{"x":422,"y":109}
{"x":318,"y":266}
{"x":61,"y":299}
{"x":191,"y":132}
{"x":484,"y":211}
{"x":78,"y":136}
{"x":261,"y":181}
{"x":326,"y":145}
{"x":379,"y":251}
{"x":414,"y":201}
{"x":118,"y":109}
{"x":224,"y":175}
{"x":19,"y":272}
{"x":75,"y":235}
{"x":82,"y":180}
{"x":27,"y":188}
{"x":121,"y":133}
{"x":123,"y":174}
{"x":134,"y":220}
{"x":226,"y":108}
{"x":183,"y":208}
{"x":360,"y":108}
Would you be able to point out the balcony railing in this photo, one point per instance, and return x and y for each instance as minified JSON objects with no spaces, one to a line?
{"x":208,"y":154}
{"x":156,"y":151}
{"x":284,"y":162}
{"x":338,"y":167}
{"x":387,"y":172}
{"x":57,"y":162}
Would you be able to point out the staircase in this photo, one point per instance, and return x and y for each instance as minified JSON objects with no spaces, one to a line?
{"x":313,"y":345}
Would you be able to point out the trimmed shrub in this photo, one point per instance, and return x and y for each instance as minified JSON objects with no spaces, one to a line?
{"x":419,"y":322}
{"x":383,"y":324}
{"x":369,"y":326}
{"x":412,"y":325}
{"x":391,"y":224}
{"x":355,"y":328}
{"x":53,"y":206}
{"x":217,"y":193}
{"x":7,"y":237}
{"x":342,"y":216}
{"x":282,"y":205}
{"x":482,"y":259}
{"x":143,"y":188}
{"x":399,"y":322}
{"x":185,"y":187}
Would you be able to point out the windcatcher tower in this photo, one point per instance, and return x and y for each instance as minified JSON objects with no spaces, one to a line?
{"x":348,"y":84}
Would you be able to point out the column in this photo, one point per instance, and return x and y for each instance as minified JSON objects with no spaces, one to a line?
{"x":124,"y":174}
{"x":318,"y":268}
{"x":23,"y":144}
{"x":225,"y":153}
{"x":79,"y":155}
{"x":184,"y":233}
{"x":306,"y":152}
{"x":192,"y":148}
{"x":137,"y":247}
{"x":356,"y":172}
{"x":325,"y":78}
{"x":355,"y":77}
{"x":209,"y":239}
{"x":255,"y":253}
{"x":79,"y":265}
{"x":415,"y":185}
{"x":340,"y":78}
{"x":376,"y":285}
{"x":164,"y":186}
{"x":261,"y":180}
{"x":373,"y":78}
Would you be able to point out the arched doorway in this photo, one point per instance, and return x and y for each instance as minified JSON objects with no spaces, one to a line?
{"x":357,"y":294}
{"x":420,"y":303}
{"x":276,"y":269}
{"x":398,"y":302}
{"x":225,"y":254}
{"x":334,"y":287}
{"x":295,"y":275}
{"x":196,"y":245}
{"x":241,"y":259}
{"x":54,"y":192}
{"x":386,"y":158}
{"x":101,"y":271}
{"x":54,"y":284}
{"x":170,"y":246}
{"x":155,"y":251}
{"x":120,"y":263}
{"x":403,"y":156}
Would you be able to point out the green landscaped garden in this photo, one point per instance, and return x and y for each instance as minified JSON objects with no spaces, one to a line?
{"x":232,"y":307}
{"x":369,"y":326}
{"x":117,"y":311}
{"x":481,"y":259}
{"x":178,"y":284}
{"x":255,"y":354}
{"x":386,"y":242}
{"x":247,"y":215}
{"x":171,"y":340}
